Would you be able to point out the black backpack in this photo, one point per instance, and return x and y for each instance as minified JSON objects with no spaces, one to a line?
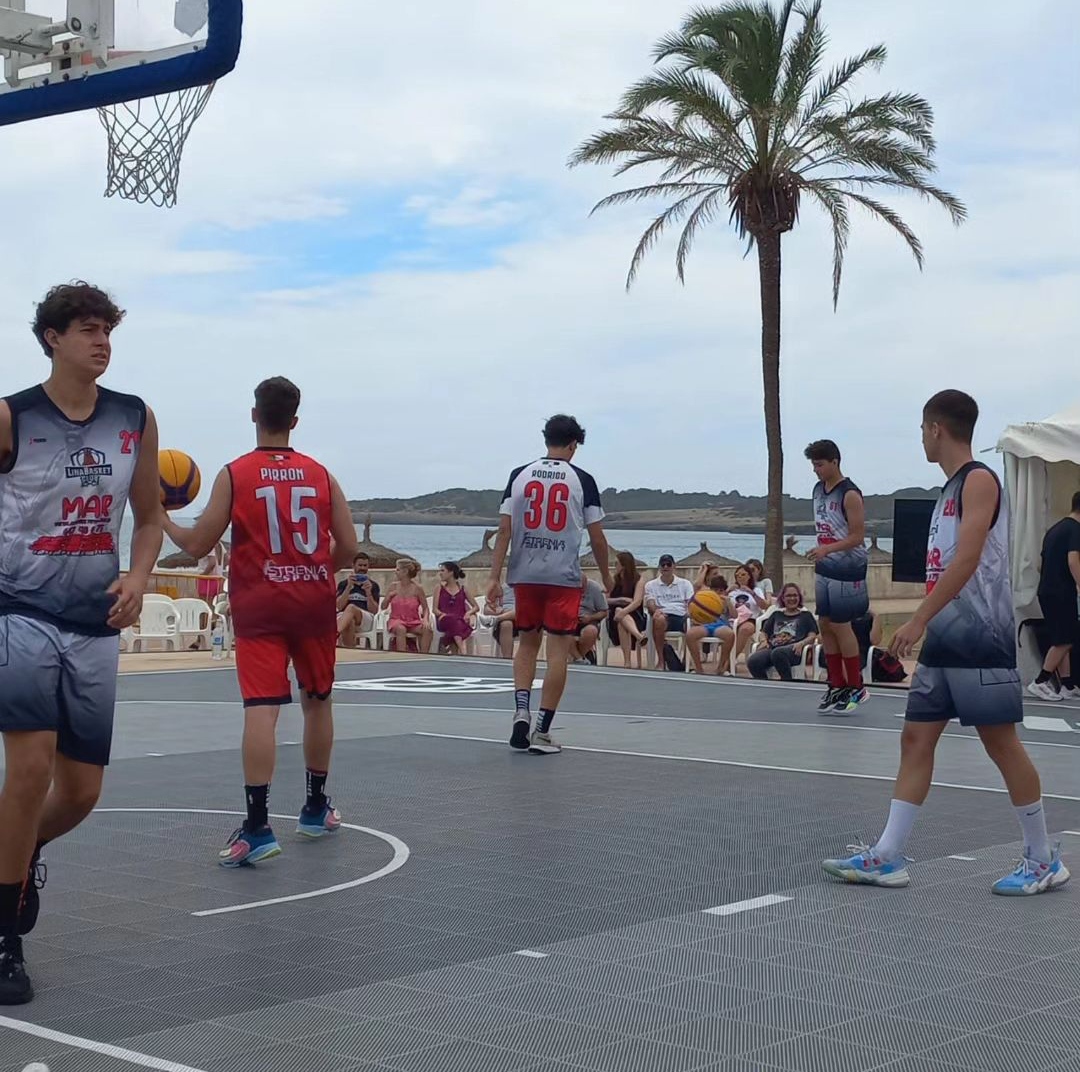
{"x":672,"y":660}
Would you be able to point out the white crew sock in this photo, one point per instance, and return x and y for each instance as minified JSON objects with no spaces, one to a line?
{"x":1032,"y":819}
{"x":902,"y":816}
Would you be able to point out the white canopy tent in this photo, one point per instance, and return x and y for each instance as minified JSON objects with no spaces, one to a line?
{"x":1042,"y":472}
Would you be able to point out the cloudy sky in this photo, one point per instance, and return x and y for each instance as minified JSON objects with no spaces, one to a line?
{"x":376,"y":204}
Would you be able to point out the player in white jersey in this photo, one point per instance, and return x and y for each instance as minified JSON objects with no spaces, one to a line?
{"x":967,"y":664}
{"x":547,"y":508}
{"x":840,"y":562}
{"x":71,"y":455}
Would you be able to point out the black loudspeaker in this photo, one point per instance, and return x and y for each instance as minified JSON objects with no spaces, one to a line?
{"x":911,"y":532}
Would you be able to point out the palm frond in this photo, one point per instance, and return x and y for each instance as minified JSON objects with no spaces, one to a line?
{"x":956,"y":208}
{"x":702,"y":214}
{"x":802,"y":58}
{"x":832,"y":201}
{"x":883,"y":212}
{"x":672,"y":214}
{"x":836,"y":80}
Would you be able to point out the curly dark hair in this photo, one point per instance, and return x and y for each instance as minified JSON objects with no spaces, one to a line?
{"x":69,"y":302}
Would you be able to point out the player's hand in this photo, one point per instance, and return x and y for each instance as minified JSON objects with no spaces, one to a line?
{"x":815,"y":554}
{"x":905,"y":639}
{"x":494,"y":592}
{"x":127,"y":605}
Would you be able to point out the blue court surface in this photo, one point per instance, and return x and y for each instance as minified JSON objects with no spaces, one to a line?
{"x":650,"y":899}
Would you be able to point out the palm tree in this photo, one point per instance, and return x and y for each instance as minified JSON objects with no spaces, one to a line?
{"x":741,"y":115}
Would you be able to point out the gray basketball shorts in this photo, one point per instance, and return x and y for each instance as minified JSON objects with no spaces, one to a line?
{"x":60,"y":682}
{"x":972,"y":697}
{"x":840,"y":601}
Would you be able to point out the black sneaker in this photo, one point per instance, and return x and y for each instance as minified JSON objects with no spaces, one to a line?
{"x":828,"y":701}
{"x":30,"y":904}
{"x":590,"y":658}
{"x":15,"y":988}
{"x":842,"y":704}
{"x":519,"y":739}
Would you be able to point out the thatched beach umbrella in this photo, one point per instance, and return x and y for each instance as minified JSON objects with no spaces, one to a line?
{"x":703,"y":556}
{"x":877,"y":554}
{"x":483,"y":557}
{"x":182,"y":560}
{"x":790,"y":554}
{"x":178,"y":560}
{"x":589,"y":560}
{"x":381,"y":557}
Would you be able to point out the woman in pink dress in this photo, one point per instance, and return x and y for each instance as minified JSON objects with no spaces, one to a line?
{"x":454,"y":607}
{"x":407,"y":603}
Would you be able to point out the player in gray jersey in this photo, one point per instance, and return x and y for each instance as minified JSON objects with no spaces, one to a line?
{"x":840,"y":562}
{"x":71,"y":455}
{"x":967,"y":665}
{"x":547,"y":508}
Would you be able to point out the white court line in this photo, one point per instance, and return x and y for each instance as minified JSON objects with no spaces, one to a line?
{"x":746,"y":906}
{"x":968,"y":858}
{"x":824,"y":725}
{"x":745,"y":766}
{"x":401,"y":854}
{"x":530,"y":953}
{"x":103,"y":1048}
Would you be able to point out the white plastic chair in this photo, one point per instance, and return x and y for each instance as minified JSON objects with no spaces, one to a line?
{"x":676,"y":640}
{"x":195,"y":618}
{"x":158,"y":620}
{"x":821,"y":673}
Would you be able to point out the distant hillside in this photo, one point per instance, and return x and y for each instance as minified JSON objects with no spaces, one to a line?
{"x":648,"y":508}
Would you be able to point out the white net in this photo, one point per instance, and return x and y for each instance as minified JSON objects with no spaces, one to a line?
{"x":146,"y":142}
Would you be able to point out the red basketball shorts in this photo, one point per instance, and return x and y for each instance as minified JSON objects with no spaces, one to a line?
{"x":548,"y":607}
{"x":262,"y":666}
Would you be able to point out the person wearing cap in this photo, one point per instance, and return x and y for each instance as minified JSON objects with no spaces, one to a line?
{"x":667,"y":598}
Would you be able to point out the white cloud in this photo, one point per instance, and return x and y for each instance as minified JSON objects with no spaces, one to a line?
{"x":317,"y":176}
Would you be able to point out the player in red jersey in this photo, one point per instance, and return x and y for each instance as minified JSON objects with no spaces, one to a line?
{"x":291,"y":529}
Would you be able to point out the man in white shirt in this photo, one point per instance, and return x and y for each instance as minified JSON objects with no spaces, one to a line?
{"x":666,"y":600}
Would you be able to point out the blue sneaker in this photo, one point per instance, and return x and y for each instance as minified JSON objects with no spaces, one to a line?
{"x":1031,"y":876}
{"x":315,"y":824}
{"x":869,"y":869}
{"x":244,"y":848}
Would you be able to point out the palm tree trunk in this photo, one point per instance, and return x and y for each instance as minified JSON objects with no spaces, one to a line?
{"x":768,"y":247}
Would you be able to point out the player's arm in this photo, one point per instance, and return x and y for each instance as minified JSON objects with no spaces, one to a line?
{"x":502,"y":545}
{"x":204,"y":535}
{"x":5,"y":432}
{"x":876,"y":631}
{"x":979,"y":502}
{"x":144,"y":494}
{"x":1074,"y":566}
{"x":598,"y":543}
{"x":145,"y":499}
{"x":343,"y":545}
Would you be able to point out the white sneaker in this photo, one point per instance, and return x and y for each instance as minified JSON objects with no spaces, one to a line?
{"x":542,"y":744}
{"x":1043,"y":690}
{"x":1070,"y":694}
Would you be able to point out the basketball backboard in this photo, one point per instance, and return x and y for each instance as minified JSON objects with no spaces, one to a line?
{"x":79,"y":55}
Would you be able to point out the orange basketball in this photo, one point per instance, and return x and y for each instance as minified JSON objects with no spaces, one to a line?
{"x":180,"y":479}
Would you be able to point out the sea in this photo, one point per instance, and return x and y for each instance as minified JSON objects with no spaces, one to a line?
{"x":431,"y":544}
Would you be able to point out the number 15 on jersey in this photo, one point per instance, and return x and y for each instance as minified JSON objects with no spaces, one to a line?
{"x":303,"y":521}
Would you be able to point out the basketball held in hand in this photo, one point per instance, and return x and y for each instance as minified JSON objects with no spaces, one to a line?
{"x":706,"y":607}
{"x":180,"y":479}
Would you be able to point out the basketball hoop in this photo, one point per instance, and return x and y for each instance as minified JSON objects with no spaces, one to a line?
{"x":146,"y":141}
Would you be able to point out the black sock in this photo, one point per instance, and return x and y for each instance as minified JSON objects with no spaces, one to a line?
{"x":522,"y":703}
{"x":316,"y":782}
{"x":1044,"y":675}
{"x":257,"y":810}
{"x":547,"y":716}
{"x":10,"y":899}
{"x":1068,"y":683}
